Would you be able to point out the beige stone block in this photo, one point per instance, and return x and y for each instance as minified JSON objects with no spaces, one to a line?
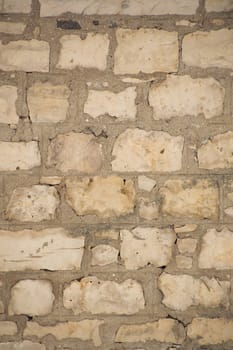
{"x":211,"y":331}
{"x":50,"y":249}
{"x":12,"y":27}
{"x":75,"y":152}
{"x":90,"y":52}
{"x":184,"y":198}
{"x":31,"y":297}
{"x":209,"y":49}
{"x":163,"y":330}
{"x":84,"y":330}
{"x":35,"y":203}
{"x":182,"y":291}
{"x":180,"y":96}
{"x":145,"y":151}
{"x":102,"y":196}
{"x":146,"y":245}
{"x":19,"y":155}
{"x":217,"y":152}
{"x":109,"y":297}
{"x":8,"y":97}
{"x":119,"y":105}
{"x":25,"y":55}
{"x":216,"y":250}
{"x":145,"y":50}
{"x":48,"y":103}
{"x":104,"y":254}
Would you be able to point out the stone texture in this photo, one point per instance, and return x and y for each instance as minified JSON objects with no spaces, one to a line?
{"x":19,"y":155}
{"x":8,"y":97}
{"x":145,"y":50}
{"x":25,"y":55}
{"x":218,"y":6}
{"x":198,"y":198}
{"x":146,"y":183}
{"x":83,"y":330}
{"x":206,"y":331}
{"x":217,"y":152}
{"x":1,"y":307}
{"x":146,"y":245}
{"x":88,"y":53}
{"x":209,"y":49}
{"x":185,"y":228}
{"x":109,"y":297}
{"x":148,"y":210}
{"x":25,"y":345}
{"x":12,"y":28}
{"x":187,"y":245}
{"x":8,"y":328}
{"x":216,"y":250}
{"x":50,"y":180}
{"x":15,"y":6}
{"x":229,"y":211}
{"x":184,"y":262}
{"x":119,"y":105}
{"x":51,"y":249}
{"x":31,"y":297}
{"x":48,"y":103}
{"x":35,"y":203}
{"x":104,"y":254}
{"x":102,"y":196}
{"x":120,"y":7}
{"x":140,"y":150}
{"x":86,"y":155}
{"x":163,"y":330}
{"x":108,"y":234}
{"x":180,"y":96}
{"x":182,"y":291}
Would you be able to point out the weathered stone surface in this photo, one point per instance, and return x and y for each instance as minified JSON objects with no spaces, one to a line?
{"x":217,"y":152}
{"x":84,"y":330}
{"x":1,"y":307}
{"x":163,"y":330}
{"x":229,"y":211}
{"x":187,"y":245}
{"x":98,"y":296}
{"x":51,"y":249}
{"x":219,"y":6}
{"x":50,"y":180}
{"x":88,"y":53}
{"x":120,"y":7}
{"x":146,"y":245}
{"x":31,"y":297}
{"x":48,"y":103}
{"x":26,"y":55}
{"x":216,"y":250}
{"x":19,"y":155}
{"x":212,"y":331}
{"x":104,"y":254}
{"x":101,"y":196}
{"x":140,"y":150}
{"x":180,"y":96}
{"x":118,"y":105}
{"x":148,"y":210}
{"x":209,"y":49}
{"x":185,"y":228}
{"x":12,"y":28}
{"x":75,"y":151}
{"x":184,"y":262}
{"x":191,"y":199}
{"x":146,"y":183}
{"x":108,"y":234}
{"x":8,"y":97}
{"x":25,"y":345}
{"x":182,"y":291}
{"x":8,"y":328}
{"x":35,"y":203}
{"x":15,"y":6}
{"x":145,"y":50}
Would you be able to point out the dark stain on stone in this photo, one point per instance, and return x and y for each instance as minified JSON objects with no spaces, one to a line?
{"x":68,"y":24}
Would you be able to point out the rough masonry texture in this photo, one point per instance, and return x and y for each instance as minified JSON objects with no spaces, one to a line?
{"x":116,"y":174}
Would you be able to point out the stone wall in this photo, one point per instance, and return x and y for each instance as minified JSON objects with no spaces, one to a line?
{"x":116,"y":185}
